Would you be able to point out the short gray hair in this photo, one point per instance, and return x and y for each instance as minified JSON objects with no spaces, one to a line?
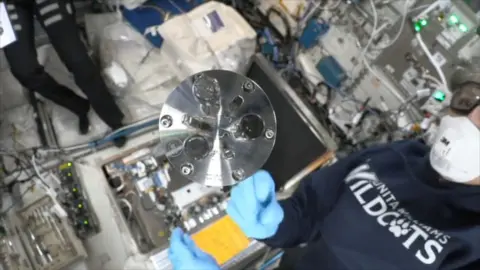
{"x":466,"y":72}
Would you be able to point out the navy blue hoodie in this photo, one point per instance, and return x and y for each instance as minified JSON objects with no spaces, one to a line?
{"x":384,"y":208}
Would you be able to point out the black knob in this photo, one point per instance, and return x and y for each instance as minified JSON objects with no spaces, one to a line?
{"x":169,"y":219}
{"x":115,"y":182}
{"x":196,"y":209}
{"x":162,"y":200}
{"x":214,"y":200}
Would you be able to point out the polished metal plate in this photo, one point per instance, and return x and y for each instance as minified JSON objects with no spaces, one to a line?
{"x":218,"y":128}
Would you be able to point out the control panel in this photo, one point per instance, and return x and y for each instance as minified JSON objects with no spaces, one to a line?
{"x":445,"y":28}
{"x":454,"y":22}
{"x":154,"y":199}
{"x":204,"y":211}
{"x":74,"y":201}
{"x":142,"y":185}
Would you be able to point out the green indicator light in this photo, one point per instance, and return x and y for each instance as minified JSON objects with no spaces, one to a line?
{"x":417,"y":27}
{"x":80,"y":205}
{"x":463,"y":28}
{"x":453,"y":19}
{"x":69,"y":174}
{"x":439,"y":96}
{"x":85,"y":222}
{"x":69,"y":164}
{"x":74,"y":189}
{"x":423,"y":22}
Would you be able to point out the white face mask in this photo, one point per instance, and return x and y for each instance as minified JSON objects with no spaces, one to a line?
{"x":455,"y":153}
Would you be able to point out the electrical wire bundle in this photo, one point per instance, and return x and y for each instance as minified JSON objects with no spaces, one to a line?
{"x":19,"y":175}
{"x":388,"y":127}
{"x":25,"y":160}
{"x":146,"y":124}
{"x":22,"y":172}
{"x":392,"y":115}
{"x":282,"y":49}
{"x":281,"y":46}
{"x":21,"y":165}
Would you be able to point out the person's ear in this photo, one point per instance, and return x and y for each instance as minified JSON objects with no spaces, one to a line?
{"x":474,"y":116}
{"x":475,"y":182}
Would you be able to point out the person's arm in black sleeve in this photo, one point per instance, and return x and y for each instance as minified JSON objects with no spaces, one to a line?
{"x":316,"y":195}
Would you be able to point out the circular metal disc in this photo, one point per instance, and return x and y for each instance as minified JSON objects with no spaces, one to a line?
{"x":218,"y":127}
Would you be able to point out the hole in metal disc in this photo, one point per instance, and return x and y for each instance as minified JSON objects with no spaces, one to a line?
{"x":252,"y":126}
{"x":236,"y":103}
{"x":205,"y":88}
{"x":197,"y":147}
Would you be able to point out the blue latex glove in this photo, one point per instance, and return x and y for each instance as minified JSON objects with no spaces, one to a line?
{"x":254,"y":207}
{"x":186,"y":255}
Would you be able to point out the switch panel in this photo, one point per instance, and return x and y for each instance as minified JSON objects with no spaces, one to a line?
{"x":75,"y":202}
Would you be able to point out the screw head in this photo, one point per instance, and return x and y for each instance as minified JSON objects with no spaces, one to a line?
{"x":248,"y":86}
{"x":238,"y":174}
{"x":228,"y":154}
{"x":269,"y":134}
{"x":166,"y":121}
{"x":187,"y":169}
{"x":198,"y":76}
